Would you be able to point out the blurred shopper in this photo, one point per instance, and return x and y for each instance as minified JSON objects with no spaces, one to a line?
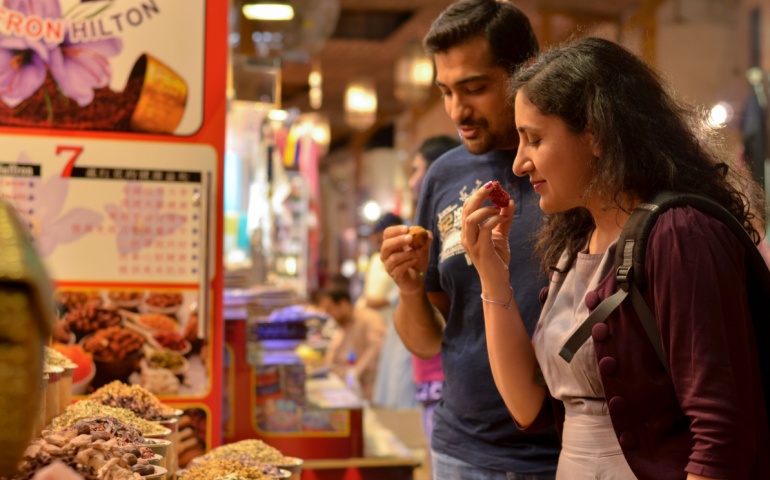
{"x":393,"y":387}
{"x":359,"y":332}
{"x":477,"y":45}
{"x":428,"y":375}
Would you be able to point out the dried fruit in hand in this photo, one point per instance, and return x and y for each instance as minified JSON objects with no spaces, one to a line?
{"x":419,"y":236}
{"x":498,"y":195}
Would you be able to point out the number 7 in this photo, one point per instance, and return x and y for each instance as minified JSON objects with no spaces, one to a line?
{"x":76,"y":151}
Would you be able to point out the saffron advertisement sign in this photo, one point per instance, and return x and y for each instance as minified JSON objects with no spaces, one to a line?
{"x":112,"y":120}
{"x":105,"y":65}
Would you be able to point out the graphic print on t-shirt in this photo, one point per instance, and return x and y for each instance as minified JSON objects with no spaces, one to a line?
{"x":450,"y":223}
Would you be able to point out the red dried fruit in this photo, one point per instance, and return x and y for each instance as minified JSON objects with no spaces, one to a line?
{"x":498,"y":195}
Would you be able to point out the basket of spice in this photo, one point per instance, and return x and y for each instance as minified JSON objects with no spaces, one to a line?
{"x":92,"y":454}
{"x":147,"y":406}
{"x":219,"y":469}
{"x":255,"y":453}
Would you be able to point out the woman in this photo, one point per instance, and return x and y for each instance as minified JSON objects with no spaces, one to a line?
{"x":599,"y":133}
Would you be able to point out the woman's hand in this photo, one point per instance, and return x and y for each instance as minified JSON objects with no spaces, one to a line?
{"x":485,"y":236}
{"x":405,"y":264}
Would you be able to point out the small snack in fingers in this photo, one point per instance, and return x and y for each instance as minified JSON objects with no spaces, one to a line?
{"x":498,"y":195}
{"x":419,"y":236}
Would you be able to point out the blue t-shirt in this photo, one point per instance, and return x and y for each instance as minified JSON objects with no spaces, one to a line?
{"x":472,"y":422}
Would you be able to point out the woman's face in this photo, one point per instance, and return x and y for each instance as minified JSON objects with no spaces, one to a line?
{"x":557,"y":160}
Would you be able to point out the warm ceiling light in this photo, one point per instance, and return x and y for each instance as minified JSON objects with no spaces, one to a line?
{"x":268,"y":10}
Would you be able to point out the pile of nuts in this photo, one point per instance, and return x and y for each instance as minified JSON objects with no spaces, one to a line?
{"x":90,"y":317}
{"x":132,"y":397}
{"x":124,"y":295}
{"x":170,"y":340}
{"x":113,"y":344}
{"x":164,"y":300}
{"x":160,"y":322}
{"x":89,"y":451}
{"x":73,"y":299}
{"x":85,"y":409}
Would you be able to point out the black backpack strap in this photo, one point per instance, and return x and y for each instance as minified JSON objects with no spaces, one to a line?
{"x":632,"y":239}
{"x":629,"y":262}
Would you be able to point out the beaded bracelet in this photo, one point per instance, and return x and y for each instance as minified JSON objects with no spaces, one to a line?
{"x":504,"y":305}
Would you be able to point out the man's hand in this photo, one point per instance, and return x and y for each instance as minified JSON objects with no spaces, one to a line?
{"x":403,"y":263}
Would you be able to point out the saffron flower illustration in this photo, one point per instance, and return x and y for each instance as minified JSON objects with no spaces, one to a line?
{"x":139,"y":218}
{"x":79,"y":68}
{"x":23,"y":61}
{"x":49,"y":225}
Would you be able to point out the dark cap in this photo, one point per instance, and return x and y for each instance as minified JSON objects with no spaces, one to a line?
{"x":387,"y":220}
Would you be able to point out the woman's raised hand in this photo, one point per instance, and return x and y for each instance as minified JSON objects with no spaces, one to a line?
{"x":485,"y":236}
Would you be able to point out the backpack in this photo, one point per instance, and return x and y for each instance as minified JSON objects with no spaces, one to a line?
{"x":629,"y":273}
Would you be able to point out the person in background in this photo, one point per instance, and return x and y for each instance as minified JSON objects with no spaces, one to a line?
{"x":393,"y":386}
{"x":476,"y":45}
{"x":600,"y":134}
{"x":359,"y":331}
{"x":428,"y":375}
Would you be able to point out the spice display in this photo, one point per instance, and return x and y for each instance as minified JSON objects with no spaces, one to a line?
{"x":94,"y":455}
{"x":56,"y":359}
{"x":124,"y":296}
{"x":74,"y":299}
{"x":113,"y":344}
{"x":159,"y":381}
{"x":214,"y":469}
{"x":166,"y":359}
{"x":112,"y":427}
{"x":132,"y":397}
{"x":164,"y":300}
{"x":170,"y":340}
{"x":79,"y":357}
{"x":249,"y":451}
{"x":85,"y":409}
{"x":156,"y":321}
{"x":90,"y":317}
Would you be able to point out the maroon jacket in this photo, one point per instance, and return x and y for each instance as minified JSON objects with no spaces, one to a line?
{"x":708,"y":417}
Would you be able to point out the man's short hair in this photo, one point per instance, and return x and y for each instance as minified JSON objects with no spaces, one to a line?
{"x":507,"y":31}
{"x":336,"y":294}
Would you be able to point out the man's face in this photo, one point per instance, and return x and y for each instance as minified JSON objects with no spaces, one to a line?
{"x":334,"y":310}
{"x":475,"y":97}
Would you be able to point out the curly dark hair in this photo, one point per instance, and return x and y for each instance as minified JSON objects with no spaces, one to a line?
{"x":649,"y":140}
{"x":507,"y":31}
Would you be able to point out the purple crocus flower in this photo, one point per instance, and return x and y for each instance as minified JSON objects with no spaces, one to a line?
{"x":51,"y":226}
{"x":23,"y":61}
{"x":79,"y":68}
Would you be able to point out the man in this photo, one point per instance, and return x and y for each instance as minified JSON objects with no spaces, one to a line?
{"x":476,"y":46}
{"x":359,"y":332}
